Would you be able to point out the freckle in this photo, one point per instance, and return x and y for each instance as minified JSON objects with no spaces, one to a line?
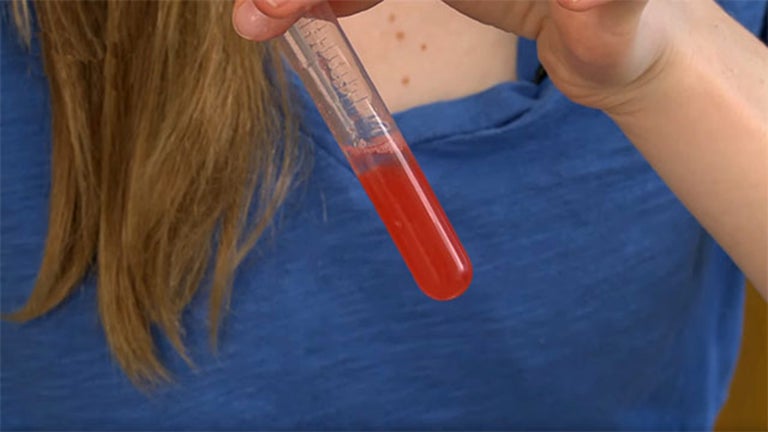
{"x":391,"y":18}
{"x":405,"y":81}
{"x":423,"y":47}
{"x":399,"y":35}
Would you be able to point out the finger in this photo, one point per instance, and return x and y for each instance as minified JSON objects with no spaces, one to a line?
{"x":523,"y":18}
{"x":282,"y":9}
{"x":293,"y":8}
{"x":251,"y":23}
{"x":599,"y":33}
{"x":614,"y":17}
{"x":617,"y":11}
{"x":491,"y":12}
{"x":582,"y":5}
{"x":350,"y":7}
{"x":260,"y":20}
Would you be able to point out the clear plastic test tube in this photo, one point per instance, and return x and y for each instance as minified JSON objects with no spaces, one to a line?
{"x":363,"y":127}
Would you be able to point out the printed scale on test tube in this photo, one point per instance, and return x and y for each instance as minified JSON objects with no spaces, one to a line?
{"x":363,"y":127}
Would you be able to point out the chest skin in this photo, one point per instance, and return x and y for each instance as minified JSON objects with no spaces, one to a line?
{"x":420,"y":52}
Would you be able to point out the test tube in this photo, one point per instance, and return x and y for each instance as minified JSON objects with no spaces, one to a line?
{"x":321,"y":55}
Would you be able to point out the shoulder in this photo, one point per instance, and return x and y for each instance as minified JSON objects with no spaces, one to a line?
{"x":752,"y":14}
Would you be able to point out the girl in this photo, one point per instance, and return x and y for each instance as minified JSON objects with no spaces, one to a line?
{"x":610,"y":206}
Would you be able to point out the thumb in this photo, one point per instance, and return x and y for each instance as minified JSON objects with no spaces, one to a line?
{"x":252,"y":23}
{"x":261,"y":20}
{"x":597,"y":31}
{"x":606,"y":12}
{"x":584,"y":5}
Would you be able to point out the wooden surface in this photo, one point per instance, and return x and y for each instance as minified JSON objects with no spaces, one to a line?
{"x":747,"y":406}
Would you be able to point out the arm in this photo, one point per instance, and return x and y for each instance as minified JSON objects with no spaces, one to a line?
{"x":703,"y":126}
{"x":686,"y":83}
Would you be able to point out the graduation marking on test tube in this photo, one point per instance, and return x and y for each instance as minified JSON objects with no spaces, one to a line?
{"x":364,"y":129}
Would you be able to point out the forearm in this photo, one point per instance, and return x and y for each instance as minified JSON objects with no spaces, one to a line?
{"x":702,"y":123}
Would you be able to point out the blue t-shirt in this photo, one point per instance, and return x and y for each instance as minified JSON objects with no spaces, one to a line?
{"x":598,"y":301}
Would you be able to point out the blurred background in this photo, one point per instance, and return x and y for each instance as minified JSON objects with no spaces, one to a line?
{"x":747,"y":406}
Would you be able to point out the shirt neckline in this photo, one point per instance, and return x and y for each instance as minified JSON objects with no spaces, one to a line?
{"x":497,"y":105}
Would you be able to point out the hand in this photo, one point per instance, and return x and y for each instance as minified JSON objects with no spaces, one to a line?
{"x":597,"y":52}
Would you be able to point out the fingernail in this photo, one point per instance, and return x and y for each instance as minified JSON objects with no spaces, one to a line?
{"x":248,"y":21}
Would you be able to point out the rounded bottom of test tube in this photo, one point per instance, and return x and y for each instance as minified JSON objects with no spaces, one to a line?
{"x":450,"y":290}
{"x":413,"y":216}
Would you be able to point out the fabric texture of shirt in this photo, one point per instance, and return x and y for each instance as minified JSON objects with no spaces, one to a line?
{"x":598,"y":301}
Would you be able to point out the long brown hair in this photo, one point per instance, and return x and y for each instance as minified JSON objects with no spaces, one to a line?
{"x":166,"y":128}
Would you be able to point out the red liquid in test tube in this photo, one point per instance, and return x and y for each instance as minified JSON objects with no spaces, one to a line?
{"x":414,"y":218}
{"x":352,"y":108}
